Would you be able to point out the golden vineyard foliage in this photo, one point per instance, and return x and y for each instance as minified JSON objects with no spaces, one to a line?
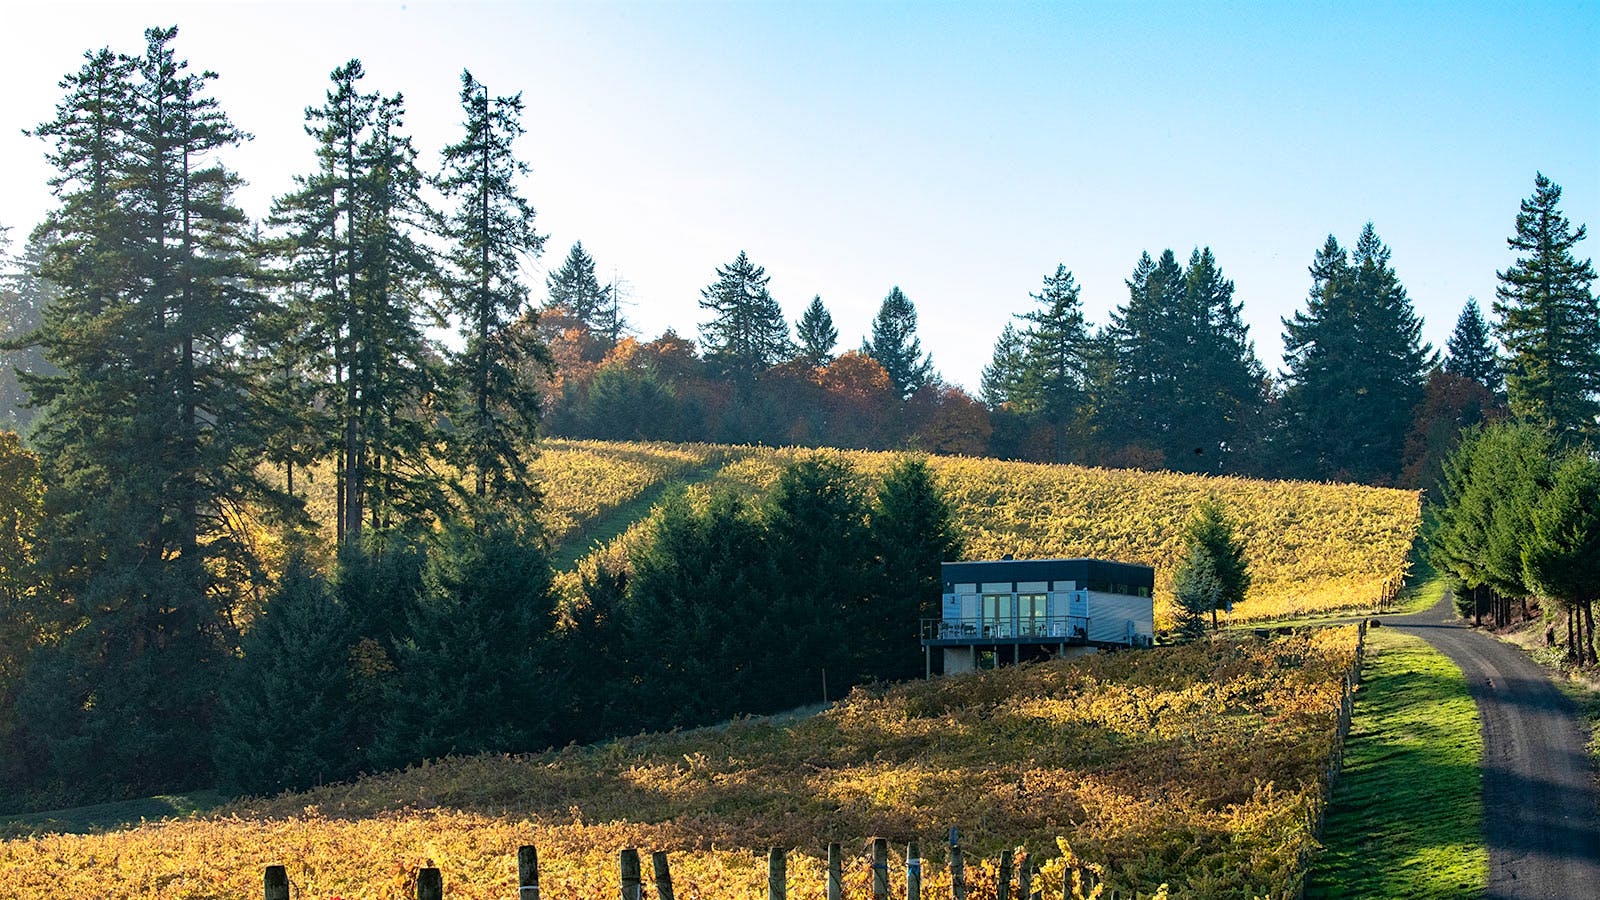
{"x":1312,"y":547}
{"x":1190,"y":767}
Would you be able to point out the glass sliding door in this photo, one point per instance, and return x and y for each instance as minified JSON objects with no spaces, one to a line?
{"x":997,"y":615}
{"x":1033,"y":615}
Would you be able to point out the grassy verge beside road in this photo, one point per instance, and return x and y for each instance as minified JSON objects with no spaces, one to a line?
{"x":1407,"y":817}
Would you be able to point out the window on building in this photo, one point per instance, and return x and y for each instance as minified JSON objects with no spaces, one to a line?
{"x":996,"y":614}
{"x":1033,"y":614}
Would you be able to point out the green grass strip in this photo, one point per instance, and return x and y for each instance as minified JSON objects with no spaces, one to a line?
{"x":1407,"y":816}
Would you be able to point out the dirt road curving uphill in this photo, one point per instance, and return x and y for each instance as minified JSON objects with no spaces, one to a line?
{"x":1541,"y":808}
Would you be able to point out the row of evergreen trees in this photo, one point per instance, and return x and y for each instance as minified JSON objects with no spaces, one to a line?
{"x":187,"y":348}
{"x":1520,"y":516}
{"x":1172,"y":380}
{"x":454,"y":643}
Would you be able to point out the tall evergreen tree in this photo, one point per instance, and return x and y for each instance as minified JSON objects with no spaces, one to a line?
{"x":1145,"y":363}
{"x":1470,"y":352}
{"x":1001,"y":380}
{"x":895,"y":345}
{"x":492,"y":233}
{"x":747,"y":333}
{"x":1224,"y":391}
{"x":577,"y":292}
{"x":1356,"y":367}
{"x":355,"y":231}
{"x":817,"y":335}
{"x":148,"y":434}
{"x":1549,"y":320}
{"x":1053,"y":382}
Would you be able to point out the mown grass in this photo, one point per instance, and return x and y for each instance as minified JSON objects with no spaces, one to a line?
{"x":109,"y":816}
{"x":1407,"y":817}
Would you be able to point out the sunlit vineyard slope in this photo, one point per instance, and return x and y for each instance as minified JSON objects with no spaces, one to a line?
{"x":1192,"y":766}
{"x":1312,"y":547}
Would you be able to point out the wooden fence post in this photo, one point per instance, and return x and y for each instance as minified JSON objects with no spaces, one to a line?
{"x":430,"y":884}
{"x":777,"y":874}
{"x":1025,"y":879}
{"x":658,"y":861}
{"x":527,"y":873}
{"x":913,"y":871}
{"x":880,"y":869}
{"x":628,"y":866}
{"x":1003,"y":890}
{"x":835,"y":872}
{"x":958,"y":874}
{"x":276,"y":883}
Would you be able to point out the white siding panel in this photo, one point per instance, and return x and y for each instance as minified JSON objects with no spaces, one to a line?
{"x":1109,"y":615}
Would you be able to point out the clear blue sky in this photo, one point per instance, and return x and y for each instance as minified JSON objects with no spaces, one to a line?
{"x":960,"y":151}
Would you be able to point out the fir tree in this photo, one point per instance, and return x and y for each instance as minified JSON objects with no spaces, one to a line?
{"x":747,"y":334}
{"x":1146,"y":364}
{"x":817,"y":335}
{"x":576,"y":292}
{"x":1224,"y":395}
{"x":1209,"y":533}
{"x":1001,"y":380}
{"x":895,"y":345}
{"x":149,"y":432}
{"x":1470,"y":352}
{"x":1356,"y":367}
{"x":354,"y":232}
{"x":475,"y":673}
{"x":285,"y":721}
{"x":913,"y":530}
{"x":492,"y":233}
{"x":1196,"y":591}
{"x":1053,"y":384}
{"x":1549,"y":321}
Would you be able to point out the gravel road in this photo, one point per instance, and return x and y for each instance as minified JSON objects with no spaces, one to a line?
{"x":1541,"y":807}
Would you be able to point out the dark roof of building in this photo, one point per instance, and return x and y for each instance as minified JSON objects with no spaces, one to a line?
{"x":1082,"y":570}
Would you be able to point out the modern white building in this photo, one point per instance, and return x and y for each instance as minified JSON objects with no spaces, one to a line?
{"x":1003,"y":611}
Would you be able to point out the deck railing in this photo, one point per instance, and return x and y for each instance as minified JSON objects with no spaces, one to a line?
{"x":1045,"y":629}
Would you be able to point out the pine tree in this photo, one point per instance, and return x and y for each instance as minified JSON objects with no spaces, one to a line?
{"x":747,"y":334}
{"x":1001,"y":379}
{"x":817,"y":335}
{"x":26,"y":603}
{"x":1053,"y":382}
{"x":1470,"y":352}
{"x":1549,"y":321}
{"x":285,"y":721}
{"x":492,"y":233}
{"x":150,"y":425}
{"x":1356,"y":367}
{"x":895,"y":345}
